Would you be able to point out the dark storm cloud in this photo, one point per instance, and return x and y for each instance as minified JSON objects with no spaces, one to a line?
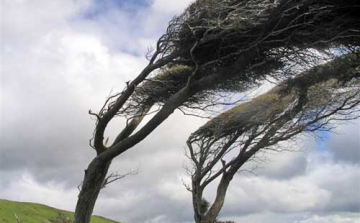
{"x":283,"y":166}
{"x":289,"y":163}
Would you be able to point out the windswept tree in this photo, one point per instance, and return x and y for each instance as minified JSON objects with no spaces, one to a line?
{"x":216,"y":46}
{"x":309,"y":102}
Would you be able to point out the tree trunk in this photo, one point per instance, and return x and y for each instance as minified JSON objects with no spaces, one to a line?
{"x":219,"y":200}
{"x":197,"y":200}
{"x":93,"y":181}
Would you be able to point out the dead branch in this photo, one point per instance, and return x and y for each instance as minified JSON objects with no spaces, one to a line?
{"x":116,"y":176}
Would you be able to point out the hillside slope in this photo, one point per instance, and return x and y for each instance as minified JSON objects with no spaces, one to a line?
{"x":36,"y":213}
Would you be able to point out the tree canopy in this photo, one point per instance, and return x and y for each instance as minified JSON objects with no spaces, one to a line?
{"x":232,"y":45}
{"x":309,"y":102}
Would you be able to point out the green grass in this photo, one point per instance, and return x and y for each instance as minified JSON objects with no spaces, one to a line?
{"x":36,"y":213}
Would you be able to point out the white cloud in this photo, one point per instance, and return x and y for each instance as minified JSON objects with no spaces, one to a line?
{"x":254,"y":194}
{"x":316,"y":190}
{"x":170,"y":7}
{"x":336,"y":218}
{"x":23,"y":187}
{"x":349,"y":133}
{"x":304,"y":217}
{"x":23,"y":21}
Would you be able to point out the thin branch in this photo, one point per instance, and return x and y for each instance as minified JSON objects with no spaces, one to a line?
{"x":116,"y":176}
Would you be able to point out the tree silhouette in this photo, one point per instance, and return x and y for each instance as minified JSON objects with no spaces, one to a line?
{"x":217,"y":46}
{"x":309,"y":102}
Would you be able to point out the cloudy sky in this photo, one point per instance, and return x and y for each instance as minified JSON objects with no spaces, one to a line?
{"x":60,"y":58}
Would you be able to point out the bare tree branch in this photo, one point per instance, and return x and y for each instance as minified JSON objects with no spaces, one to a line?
{"x":309,"y":102}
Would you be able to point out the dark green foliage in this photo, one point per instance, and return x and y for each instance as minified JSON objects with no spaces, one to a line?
{"x":272,"y":36}
{"x":265,"y":108}
{"x":204,"y":206}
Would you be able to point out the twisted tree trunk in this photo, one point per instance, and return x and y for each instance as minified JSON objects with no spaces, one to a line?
{"x":92,"y":184}
{"x":215,"y":209}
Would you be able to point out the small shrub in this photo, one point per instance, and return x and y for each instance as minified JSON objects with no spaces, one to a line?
{"x":61,"y":218}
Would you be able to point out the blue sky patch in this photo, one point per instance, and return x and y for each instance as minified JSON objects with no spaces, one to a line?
{"x":103,"y":6}
{"x":322,"y":139}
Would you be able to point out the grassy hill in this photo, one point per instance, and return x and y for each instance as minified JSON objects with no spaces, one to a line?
{"x":36,"y":213}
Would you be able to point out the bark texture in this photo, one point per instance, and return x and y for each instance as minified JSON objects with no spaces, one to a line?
{"x":92,"y":184}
